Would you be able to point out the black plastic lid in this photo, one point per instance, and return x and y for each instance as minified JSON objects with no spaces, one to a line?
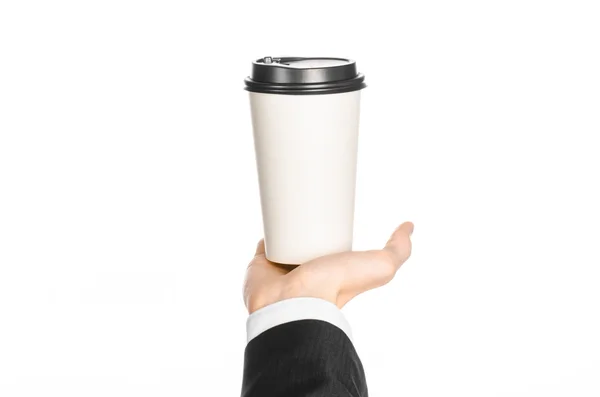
{"x":304,"y":76}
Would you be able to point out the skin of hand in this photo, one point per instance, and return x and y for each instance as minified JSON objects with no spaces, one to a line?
{"x":336,"y":278}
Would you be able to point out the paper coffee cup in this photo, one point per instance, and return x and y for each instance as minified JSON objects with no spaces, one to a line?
{"x":305,"y":117}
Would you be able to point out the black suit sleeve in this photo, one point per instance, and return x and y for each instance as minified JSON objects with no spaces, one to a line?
{"x":306,"y":358}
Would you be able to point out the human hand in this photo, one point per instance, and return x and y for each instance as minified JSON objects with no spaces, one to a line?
{"x":336,"y":278}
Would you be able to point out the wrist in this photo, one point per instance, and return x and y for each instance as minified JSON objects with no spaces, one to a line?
{"x":285,"y":290}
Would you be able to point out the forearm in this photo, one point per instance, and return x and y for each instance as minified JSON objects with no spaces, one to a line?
{"x":301,"y":348}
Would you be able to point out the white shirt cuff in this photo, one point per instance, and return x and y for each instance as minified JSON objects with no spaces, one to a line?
{"x":292,"y":310}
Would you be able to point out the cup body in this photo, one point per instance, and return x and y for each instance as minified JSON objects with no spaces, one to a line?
{"x":306,"y":152}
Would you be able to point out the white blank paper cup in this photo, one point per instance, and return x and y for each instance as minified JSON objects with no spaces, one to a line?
{"x":306,"y":152}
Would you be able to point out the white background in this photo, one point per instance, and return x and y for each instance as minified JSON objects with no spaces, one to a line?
{"x":129,"y":203}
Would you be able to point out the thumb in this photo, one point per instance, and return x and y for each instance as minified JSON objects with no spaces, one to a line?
{"x":260,"y":247}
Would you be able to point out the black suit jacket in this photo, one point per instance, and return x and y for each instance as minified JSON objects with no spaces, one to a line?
{"x":305,"y":358}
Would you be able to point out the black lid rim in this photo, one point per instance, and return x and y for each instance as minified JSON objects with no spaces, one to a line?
{"x":304,"y":76}
{"x":334,"y":87}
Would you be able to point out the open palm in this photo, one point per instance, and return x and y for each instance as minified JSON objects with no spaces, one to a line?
{"x":336,"y":278}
